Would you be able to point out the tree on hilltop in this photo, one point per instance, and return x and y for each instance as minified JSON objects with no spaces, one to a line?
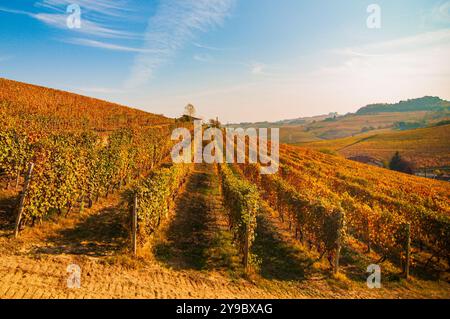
{"x":189,"y":110}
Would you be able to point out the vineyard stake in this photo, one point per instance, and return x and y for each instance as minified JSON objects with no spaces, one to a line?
{"x":246,"y":249}
{"x":408,"y":249}
{"x":134,"y":228}
{"x":338,"y":244}
{"x":22,"y":199}
{"x":17,"y":179}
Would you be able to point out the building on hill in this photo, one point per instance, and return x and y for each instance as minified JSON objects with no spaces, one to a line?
{"x":187,"y":118}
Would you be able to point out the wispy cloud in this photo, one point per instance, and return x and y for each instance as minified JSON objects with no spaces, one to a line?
{"x":105,"y":45}
{"x":258,"y":68}
{"x":203,"y":58}
{"x":438,"y":15}
{"x":96,"y":17}
{"x":211,"y":48}
{"x":13,"y":11}
{"x":174,"y":24}
{"x":87,"y":27}
{"x":422,"y":41}
{"x":265,"y":70}
{"x":105,"y":8}
{"x":419,"y":55}
{"x":352,"y":52}
{"x":426,"y":39}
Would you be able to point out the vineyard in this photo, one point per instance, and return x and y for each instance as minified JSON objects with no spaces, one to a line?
{"x":424,"y":147}
{"x":77,"y":157}
{"x":80,"y":177}
{"x":47,"y":110}
{"x":381,"y":210}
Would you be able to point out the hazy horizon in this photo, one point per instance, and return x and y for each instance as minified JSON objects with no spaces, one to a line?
{"x":243,"y":61}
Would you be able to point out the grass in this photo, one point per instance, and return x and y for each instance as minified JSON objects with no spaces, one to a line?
{"x":124,"y":261}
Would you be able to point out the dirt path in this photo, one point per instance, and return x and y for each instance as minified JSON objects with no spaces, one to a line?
{"x":194,"y":257}
{"x":197,"y":236}
{"x":45,"y":276}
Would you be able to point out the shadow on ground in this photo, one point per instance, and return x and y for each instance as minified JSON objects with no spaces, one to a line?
{"x":7,"y":216}
{"x":101,"y":234}
{"x":354,"y":263}
{"x":279,"y":258}
{"x":186,"y":245}
{"x":197,"y":236}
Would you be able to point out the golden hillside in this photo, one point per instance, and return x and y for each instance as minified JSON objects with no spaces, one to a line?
{"x":57,"y":109}
{"x":425,"y":147}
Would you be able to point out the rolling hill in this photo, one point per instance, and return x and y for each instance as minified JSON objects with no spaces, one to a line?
{"x":426,"y":103}
{"x":425,"y":147}
{"x":351,"y":124}
{"x":376,"y":118}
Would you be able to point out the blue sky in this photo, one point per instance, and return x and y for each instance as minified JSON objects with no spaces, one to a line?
{"x":241,"y":60}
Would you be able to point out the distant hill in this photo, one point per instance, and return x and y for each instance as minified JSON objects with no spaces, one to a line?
{"x":304,"y":120}
{"x":425,"y":147}
{"x":288,"y":122}
{"x":374,"y":118}
{"x":427,"y":103}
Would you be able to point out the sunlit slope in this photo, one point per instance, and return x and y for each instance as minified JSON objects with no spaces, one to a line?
{"x":332,"y":168}
{"x":372,"y":185}
{"x":350,"y":125}
{"x":377,"y":202}
{"x":425,"y":147}
{"x":56,"y":109}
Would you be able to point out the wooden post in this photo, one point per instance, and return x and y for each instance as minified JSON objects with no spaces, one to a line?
{"x":22,"y":199}
{"x":338,"y":244}
{"x":246,"y":249}
{"x":408,"y":249}
{"x":17,"y":179}
{"x":82,"y":204}
{"x":134,"y":228}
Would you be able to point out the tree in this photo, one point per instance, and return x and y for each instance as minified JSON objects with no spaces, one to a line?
{"x":438,"y":173}
{"x":398,"y":164}
{"x":189,"y":110}
{"x":214,"y":123}
{"x":333,"y":115}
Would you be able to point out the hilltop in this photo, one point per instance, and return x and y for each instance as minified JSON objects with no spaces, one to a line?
{"x":426,"y":103}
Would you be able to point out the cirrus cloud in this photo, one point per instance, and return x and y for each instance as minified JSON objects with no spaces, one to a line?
{"x":174,"y":24}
